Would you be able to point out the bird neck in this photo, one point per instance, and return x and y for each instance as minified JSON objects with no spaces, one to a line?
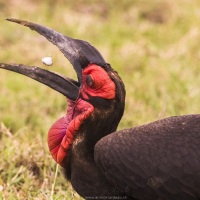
{"x":80,"y":167}
{"x":86,"y":178}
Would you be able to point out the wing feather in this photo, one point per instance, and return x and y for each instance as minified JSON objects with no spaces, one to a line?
{"x":159,"y":160}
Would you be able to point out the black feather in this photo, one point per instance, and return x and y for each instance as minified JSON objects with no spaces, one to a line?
{"x":153,"y":161}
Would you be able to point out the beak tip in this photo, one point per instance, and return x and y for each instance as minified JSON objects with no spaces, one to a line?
{"x":22,"y":22}
{"x":9,"y":19}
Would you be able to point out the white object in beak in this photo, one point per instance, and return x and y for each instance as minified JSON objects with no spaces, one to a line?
{"x":47,"y":61}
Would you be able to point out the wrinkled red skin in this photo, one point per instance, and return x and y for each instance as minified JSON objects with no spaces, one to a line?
{"x":61,"y":133}
{"x":103,"y":87}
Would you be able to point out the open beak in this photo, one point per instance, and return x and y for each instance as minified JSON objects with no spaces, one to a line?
{"x":79,"y":53}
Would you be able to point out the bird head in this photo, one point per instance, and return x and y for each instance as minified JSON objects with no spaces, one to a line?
{"x":95,"y":100}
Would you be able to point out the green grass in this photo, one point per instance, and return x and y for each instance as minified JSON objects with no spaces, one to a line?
{"x":154,"y":47}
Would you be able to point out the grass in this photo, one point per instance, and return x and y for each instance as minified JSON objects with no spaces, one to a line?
{"x":154,"y":47}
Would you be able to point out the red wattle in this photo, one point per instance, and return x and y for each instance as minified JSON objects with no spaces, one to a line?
{"x":55,"y":136}
{"x":61,"y":134}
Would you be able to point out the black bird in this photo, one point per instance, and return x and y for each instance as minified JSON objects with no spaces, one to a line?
{"x":156,"y":161}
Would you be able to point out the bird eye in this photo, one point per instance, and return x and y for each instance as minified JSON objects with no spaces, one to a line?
{"x":89,"y":81}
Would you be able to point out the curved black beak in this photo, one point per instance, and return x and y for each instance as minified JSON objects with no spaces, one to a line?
{"x":79,"y":53}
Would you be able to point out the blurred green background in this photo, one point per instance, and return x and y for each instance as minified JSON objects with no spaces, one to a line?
{"x":154,"y":46}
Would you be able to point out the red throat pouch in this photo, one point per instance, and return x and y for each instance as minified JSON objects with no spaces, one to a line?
{"x":62,"y":132}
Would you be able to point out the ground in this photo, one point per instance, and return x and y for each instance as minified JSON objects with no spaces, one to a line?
{"x":154,"y":47}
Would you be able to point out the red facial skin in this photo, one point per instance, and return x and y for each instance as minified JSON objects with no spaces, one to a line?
{"x":103,"y":86}
{"x":61,"y":134}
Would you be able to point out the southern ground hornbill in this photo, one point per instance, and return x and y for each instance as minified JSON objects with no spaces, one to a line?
{"x":156,"y":161}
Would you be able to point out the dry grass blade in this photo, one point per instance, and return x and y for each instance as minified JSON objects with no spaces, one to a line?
{"x":5,"y":130}
{"x":54,"y":182}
